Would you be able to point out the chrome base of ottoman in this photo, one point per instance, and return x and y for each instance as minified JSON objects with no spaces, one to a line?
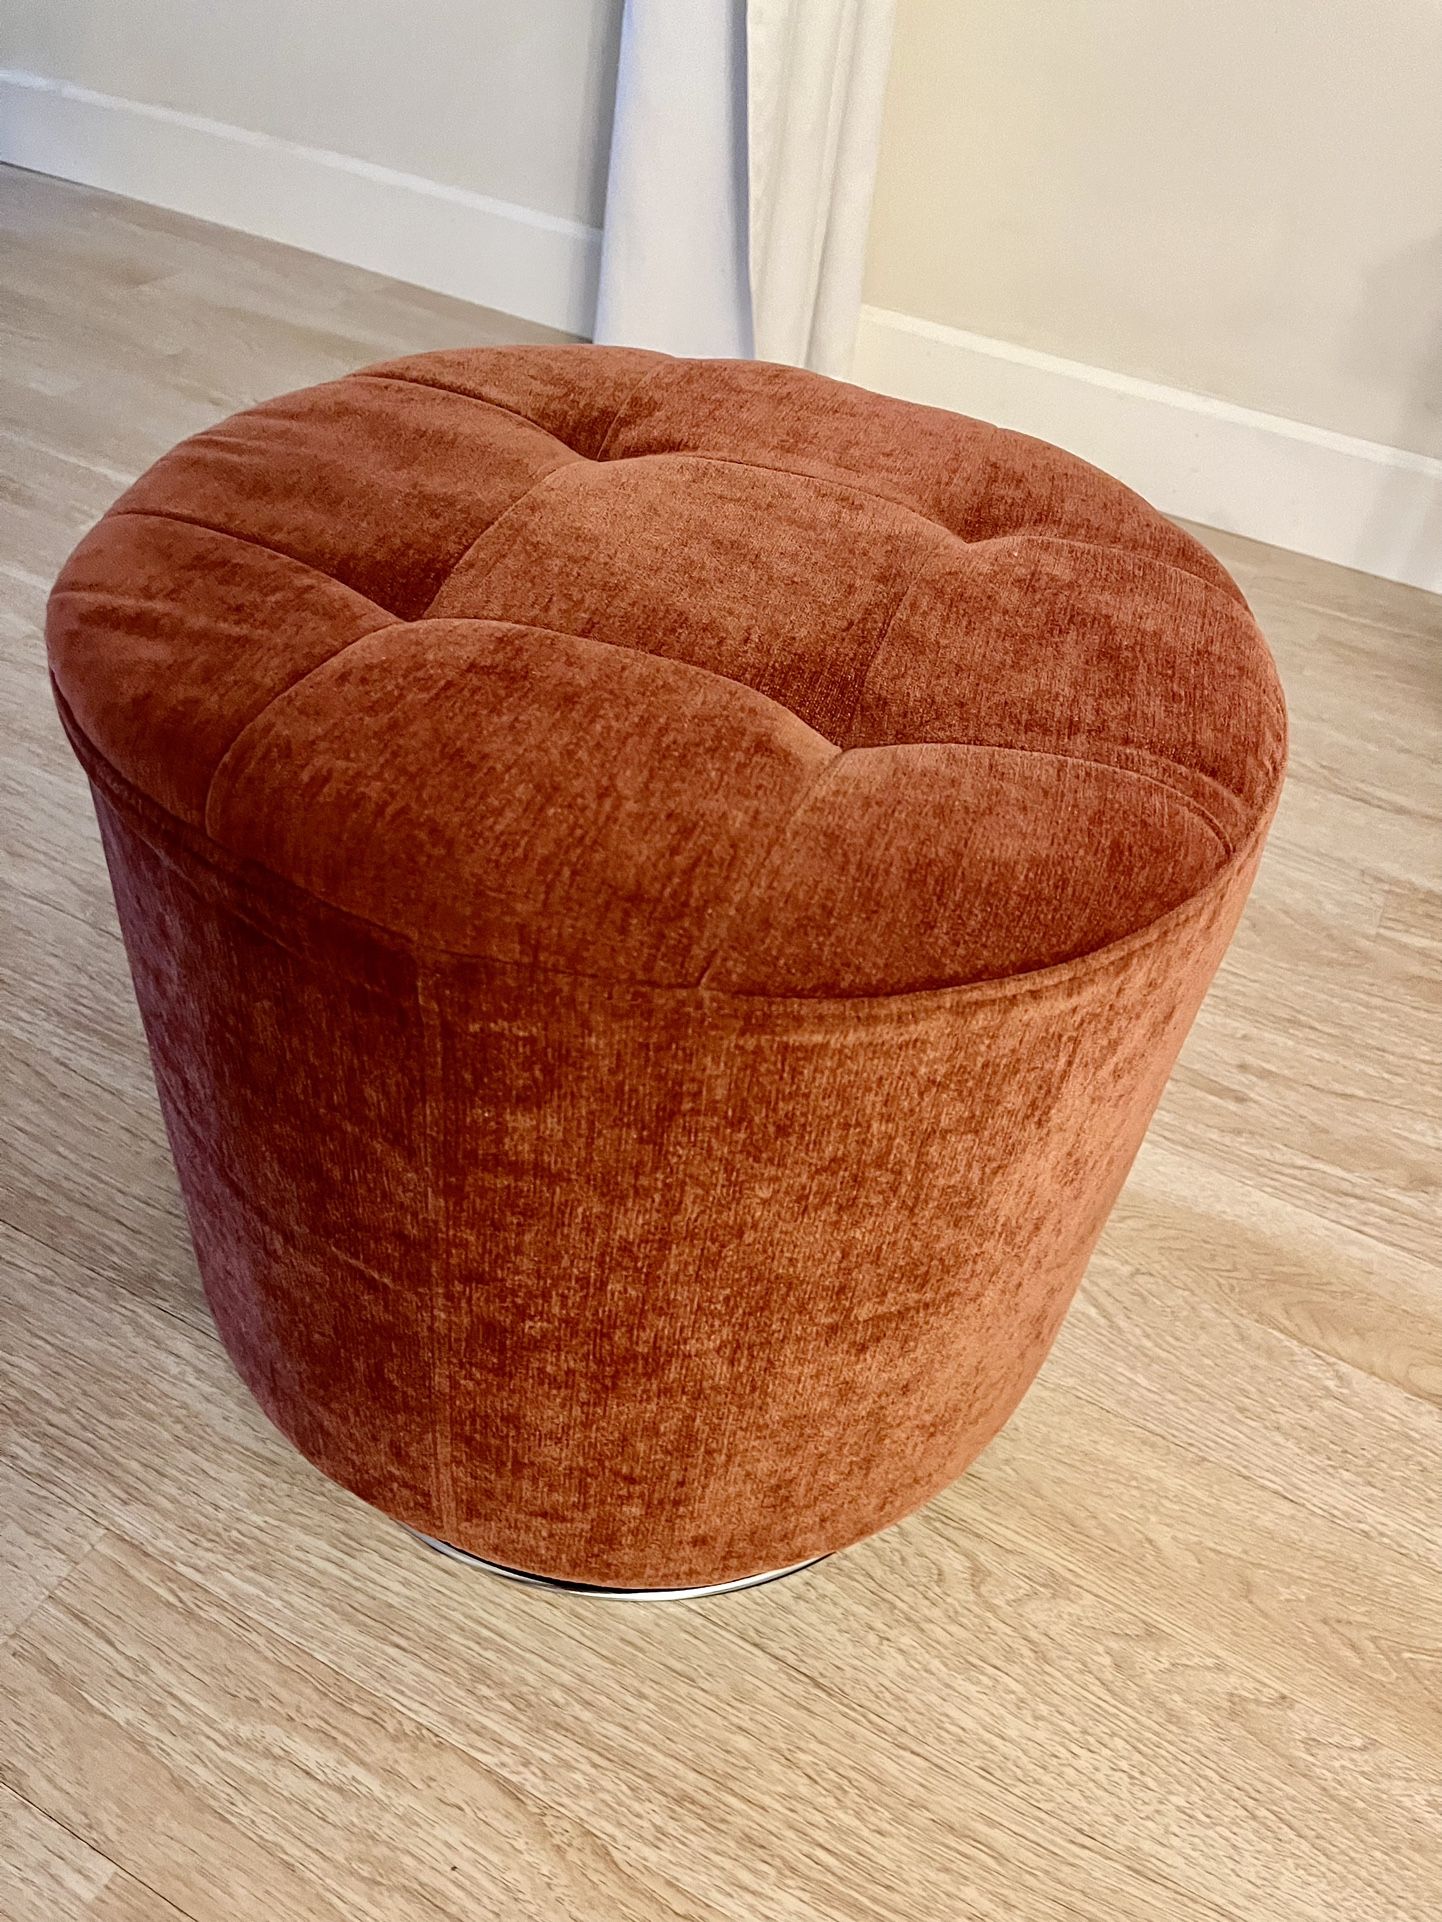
{"x":558,"y":1586}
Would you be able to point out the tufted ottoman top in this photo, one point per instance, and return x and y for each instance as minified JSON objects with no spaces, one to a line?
{"x":687,"y":673}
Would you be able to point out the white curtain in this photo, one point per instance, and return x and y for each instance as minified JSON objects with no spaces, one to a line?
{"x":742,"y":164}
{"x":673,"y":254}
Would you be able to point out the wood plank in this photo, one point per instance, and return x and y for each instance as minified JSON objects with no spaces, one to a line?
{"x":65,"y":992}
{"x":1173,"y":1648}
{"x":663,"y":1764}
{"x":1272,"y":576}
{"x":1188,"y":1540}
{"x":1413,"y":913}
{"x":46,"y":1873}
{"x":1312,"y":1430}
{"x":241,"y":1778}
{"x":123,"y":1899}
{"x":87,"y":1170}
{"x":42,"y":1537}
{"x":1250,"y":1597}
{"x":1294,"y":1269}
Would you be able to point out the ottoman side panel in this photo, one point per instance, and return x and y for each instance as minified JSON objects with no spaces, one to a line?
{"x":730,"y":1285}
{"x":288,"y":1061}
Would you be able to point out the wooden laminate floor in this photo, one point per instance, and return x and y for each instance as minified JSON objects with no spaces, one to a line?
{"x":1172,"y":1650}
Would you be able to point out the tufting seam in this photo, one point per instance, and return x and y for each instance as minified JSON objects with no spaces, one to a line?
{"x":479,"y":400}
{"x":845,"y":482}
{"x":746,"y":887}
{"x":1236,"y":599}
{"x":1230,"y":594}
{"x":248,"y":540}
{"x":1183,"y":799}
{"x":529,"y":420}
{"x":1227,"y":590}
{"x":749,"y":887}
{"x":841,"y":481}
{"x":144,"y":816}
{"x":615,"y":420}
{"x":712,"y":674}
{"x":280,"y":694}
{"x":865,"y":675}
{"x":562,"y":467}
{"x":561,"y":633}
{"x":398,"y":620}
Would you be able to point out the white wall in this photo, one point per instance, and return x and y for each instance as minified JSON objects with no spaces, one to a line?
{"x":485,"y":100}
{"x":1199,"y":242}
{"x":1238,"y":202}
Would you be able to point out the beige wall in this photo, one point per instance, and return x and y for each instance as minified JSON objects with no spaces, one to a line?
{"x":1240,"y":197}
{"x":508,"y":99}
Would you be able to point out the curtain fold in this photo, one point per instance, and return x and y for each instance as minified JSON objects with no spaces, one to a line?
{"x":816,"y":88}
{"x":673,"y":251}
{"x":742,"y":164}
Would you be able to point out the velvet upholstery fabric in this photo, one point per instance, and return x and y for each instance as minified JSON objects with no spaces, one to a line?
{"x":663,"y":896}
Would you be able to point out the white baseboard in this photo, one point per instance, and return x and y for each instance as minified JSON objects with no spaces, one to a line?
{"x":534,"y":265}
{"x":1359,"y":503}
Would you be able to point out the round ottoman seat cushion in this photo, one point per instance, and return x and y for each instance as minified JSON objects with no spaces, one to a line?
{"x":663,"y":895}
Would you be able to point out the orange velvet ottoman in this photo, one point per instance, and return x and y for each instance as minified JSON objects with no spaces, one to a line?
{"x":663,"y":895}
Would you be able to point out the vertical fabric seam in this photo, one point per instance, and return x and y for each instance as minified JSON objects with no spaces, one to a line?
{"x":433,"y":1124}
